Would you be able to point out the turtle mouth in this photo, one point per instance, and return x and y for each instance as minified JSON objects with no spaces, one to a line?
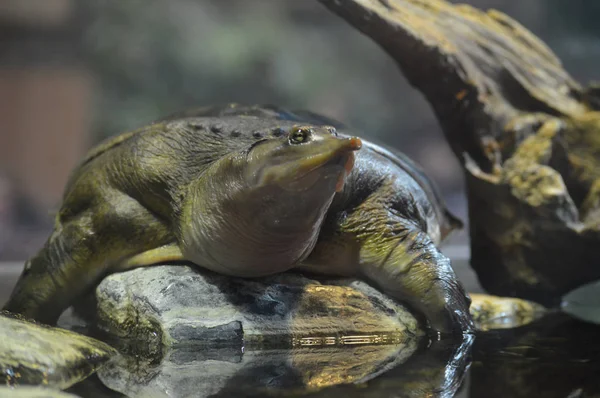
{"x":341,"y":155}
{"x":345,"y":164}
{"x":332,"y":173}
{"x":337,"y":164}
{"x":334,"y":160}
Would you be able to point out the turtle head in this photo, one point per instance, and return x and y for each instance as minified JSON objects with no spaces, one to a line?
{"x":305,"y":161}
{"x":263,"y":207}
{"x":292,"y":180}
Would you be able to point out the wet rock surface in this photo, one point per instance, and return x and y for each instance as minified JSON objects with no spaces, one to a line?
{"x":32,"y":354}
{"x":492,"y":312}
{"x":181,"y":306}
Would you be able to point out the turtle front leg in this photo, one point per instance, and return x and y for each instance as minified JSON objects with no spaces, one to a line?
{"x":402,"y":261}
{"x":409,"y":267}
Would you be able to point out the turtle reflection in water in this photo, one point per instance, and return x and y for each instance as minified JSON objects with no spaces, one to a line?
{"x":248,"y":192}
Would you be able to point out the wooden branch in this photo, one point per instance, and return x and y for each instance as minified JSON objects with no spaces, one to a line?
{"x":527,"y":133}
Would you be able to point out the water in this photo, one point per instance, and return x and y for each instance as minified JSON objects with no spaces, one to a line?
{"x":557,"y":356}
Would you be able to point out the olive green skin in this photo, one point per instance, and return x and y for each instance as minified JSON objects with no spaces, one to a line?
{"x":132,"y":195}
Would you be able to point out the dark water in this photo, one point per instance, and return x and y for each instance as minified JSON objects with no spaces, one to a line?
{"x":553,"y":357}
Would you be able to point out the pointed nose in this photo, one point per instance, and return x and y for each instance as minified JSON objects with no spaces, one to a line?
{"x":355,"y":143}
{"x":350,"y":144}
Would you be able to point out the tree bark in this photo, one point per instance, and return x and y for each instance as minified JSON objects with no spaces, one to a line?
{"x":527,"y":134}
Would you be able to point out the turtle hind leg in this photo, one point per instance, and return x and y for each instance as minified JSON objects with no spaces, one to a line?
{"x":81,"y":251}
{"x":49,"y":279}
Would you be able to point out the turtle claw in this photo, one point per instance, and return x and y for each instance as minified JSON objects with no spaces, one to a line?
{"x":453,"y":318}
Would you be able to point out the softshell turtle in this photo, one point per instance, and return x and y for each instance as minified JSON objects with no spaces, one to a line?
{"x":249,"y":191}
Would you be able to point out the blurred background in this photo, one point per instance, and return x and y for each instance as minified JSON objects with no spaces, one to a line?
{"x":75,"y":72}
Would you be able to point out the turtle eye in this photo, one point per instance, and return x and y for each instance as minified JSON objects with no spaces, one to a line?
{"x":299,"y":135}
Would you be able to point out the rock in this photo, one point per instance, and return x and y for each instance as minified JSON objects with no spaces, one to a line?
{"x":186,"y":372}
{"x":33,"y":392}
{"x":33,"y":354}
{"x":178,"y":306}
{"x":584,"y":303}
{"x":491,"y":312}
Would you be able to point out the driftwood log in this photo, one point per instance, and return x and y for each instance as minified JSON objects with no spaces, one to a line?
{"x":527,"y":134}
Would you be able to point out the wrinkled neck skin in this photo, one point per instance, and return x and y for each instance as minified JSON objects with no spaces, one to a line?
{"x":234,"y":227}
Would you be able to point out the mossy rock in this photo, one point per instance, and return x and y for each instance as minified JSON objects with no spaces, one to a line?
{"x":35,"y":354}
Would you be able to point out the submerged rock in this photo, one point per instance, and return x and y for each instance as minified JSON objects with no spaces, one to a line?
{"x":33,"y":354}
{"x":176,"y":306}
